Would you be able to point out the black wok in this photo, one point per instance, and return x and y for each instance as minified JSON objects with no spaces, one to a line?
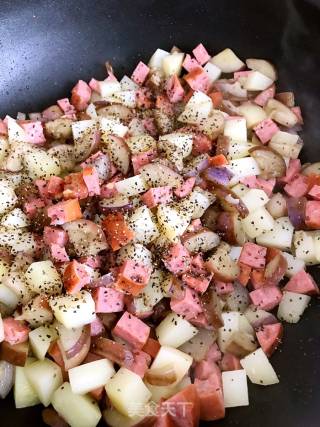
{"x":46,"y":45}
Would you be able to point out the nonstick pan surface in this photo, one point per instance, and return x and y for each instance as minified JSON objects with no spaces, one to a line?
{"x":47,"y":45}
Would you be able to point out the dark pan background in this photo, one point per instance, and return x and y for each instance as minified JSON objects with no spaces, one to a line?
{"x":46,"y":46}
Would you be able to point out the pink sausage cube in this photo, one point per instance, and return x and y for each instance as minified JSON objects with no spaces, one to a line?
{"x":298,"y":187}
{"x":185,"y":188}
{"x":297,"y":111}
{"x":174,"y":89}
{"x":267,"y":185}
{"x":140,"y":73}
{"x":223,"y":288}
{"x":198,"y":79}
{"x":230,"y":362}
{"x":80,"y":95}
{"x":63,"y":212}
{"x":189,"y":63}
{"x":3,"y":128}
{"x":141,"y":363}
{"x":201,"y":54}
{"x":302,"y":283}
{"x":94,"y":85}
{"x":150,"y":126}
{"x":54,"y":235}
{"x":132,"y":330}
{"x":253,"y":255}
{"x":93,"y":261}
{"x":31,"y":207}
{"x":189,"y":306}
{"x":177,"y":259}
{"x":265,"y":130}
{"x":198,"y":283}
{"x":265,"y":95}
{"x":15,"y":331}
{"x":292,"y":171}
{"x":91,"y":179}
{"x":201,"y":143}
{"x":34,"y":132}
{"x":108,"y":300}
{"x":58,"y":253}
{"x":241,"y":74}
{"x":201,"y":321}
{"x":266,"y":298}
{"x":312,"y":214}
{"x":156,"y":196}
{"x":249,"y":181}
{"x":42,"y":186}
{"x":214,"y":354}
{"x":55,"y":186}
{"x":204,"y":369}
{"x":141,"y":159}
{"x":315,"y":192}
{"x":96,"y":327}
{"x":67,"y":108}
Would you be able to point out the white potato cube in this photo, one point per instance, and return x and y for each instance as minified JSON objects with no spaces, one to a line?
{"x":292,"y":306}
{"x":227,"y":61}
{"x":235,"y":388}
{"x":45,"y":377}
{"x":8,"y":197}
{"x":242,"y":168}
{"x":132,"y":186}
{"x":257,"y":222}
{"x":40,"y":340}
{"x":41,"y":164}
{"x":259,"y":369}
{"x":174,"y":331}
{"x":212,"y":71}
{"x":125,"y":390}
{"x":23,"y":392}
{"x":236,"y":128}
{"x":43,"y":277}
{"x":257,"y":81}
{"x":294,"y":265}
{"x":234,"y":322}
{"x":128,"y":84}
{"x":171,"y":223}
{"x":15,"y":219}
{"x":156,"y":59}
{"x":178,"y":141}
{"x":253,"y":113}
{"x":197,"y":109}
{"x":8,"y":297}
{"x":135,"y":252}
{"x":74,"y":311}
{"x":1,"y":329}
{"x":90,"y":376}
{"x":280,"y":236}
{"x":180,"y":361}
{"x":254,"y":199}
{"x":141,"y":143}
{"x":304,"y":245}
{"x":172,"y":64}
{"x":142,"y":224}
{"x":110,"y":125}
{"x":76,"y":410}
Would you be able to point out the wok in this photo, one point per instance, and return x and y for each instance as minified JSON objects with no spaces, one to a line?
{"x":47,"y":45}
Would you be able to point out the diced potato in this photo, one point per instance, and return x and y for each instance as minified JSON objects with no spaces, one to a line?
{"x":16,"y":282}
{"x":114,"y":419}
{"x":213,"y":71}
{"x":178,"y":141}
{"x":132,"y":186}
{"x":304,"y":246}
{"x":236,"y":128}
{"x":257,"y":81}
{"x":141,"y":143}
{"x":143,"y":225}
{"x":254,"y":199}
{"x":286,"y":144}
{"x":257,"y":222}
{"x":180,"y":361}
{"x":74,"y":311}
{"x":40,"y":340}
{"x":171,"y":223}
{"x":222,"y":266}
{"x":174,"y":331}
{"x":172,"y":64}
{"x":227,"y":61}
{"x":156,"y":59}
{"x":43,"y":277}
{"x":252,"y":113}
{"x":8,"y":198}
{"x":201,"y":200}
{"x":198,"y":346}
{"x":292,"y":306}
{"x":234,"y":322}
{"x":259,"y":369}
{"x":23,"y":392}
{"x":128,"y":84}
{"x":280,"y":236}
{"x":135,"y":252}
{"x":109,"y":125}
{"x":76,"y":410}
{"x":127,"y":392}
{"x":151,"y":294}
{"x":15,"y":132}
{"x":235,"y":388}
{"x":41,"y":164}
{"x":1,"y":329}
{"x":263,"y":66}
{"x":242,"y":168}
{"x":45,"y":377}
{"x":197,"y":109}
{"x":240,"y":190}
{"x":294,"y":265}
{"x":15,"y":219}
{"x":8,"y":297}
{"x":89,"y":376}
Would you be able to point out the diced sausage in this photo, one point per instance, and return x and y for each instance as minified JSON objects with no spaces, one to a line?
{"x":67,"y":108}
{"x":266,"y":298}
{"x":55,"y":186}
{"x":141,"y":159}
{"x":201,"y":54}
{"x":141,"y":363}
{"x":292,"y":171}
{"x":117,"y":232}
{"x":80,"y":95}
{"x":15,"y":332}
{"x":34,"y":132}
{"x":96,"y":327}
{"x":132,"y":330}
{"x":58,"y":253}
{"x":185,"y":188}
{"x":184,"y":407}
{"x":174,"y":89}
{"x":189,"y":306}
{"x":132,"y":277}
{"x":298,"y":187}
{"x":230,"y":362}
{"x":315,"y":192}
{"x":312,"y":214}
{"x":177,"y":259}
{"x":253,"y":255}
{"x":75,"y":277}
{"x":211,"y":399}
{"x":189,"y":63}
{"x":224,"y":288}
{"x":156,"y":196}
{"x":55,"y":235}
{"x":199,"y":283}
{"x":108,"y":300}
{"x":269,"y":337}
{"x":140,"y":73}
{"x":265,"y":130}
{"x":302,"y":283}
{"x":63,"y":212}
{"x":198,"y":79}
{"x":151,"y":347}
{"x":75,"y":186}
{"x":91,"y":179}
{"x":263,"y":97}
